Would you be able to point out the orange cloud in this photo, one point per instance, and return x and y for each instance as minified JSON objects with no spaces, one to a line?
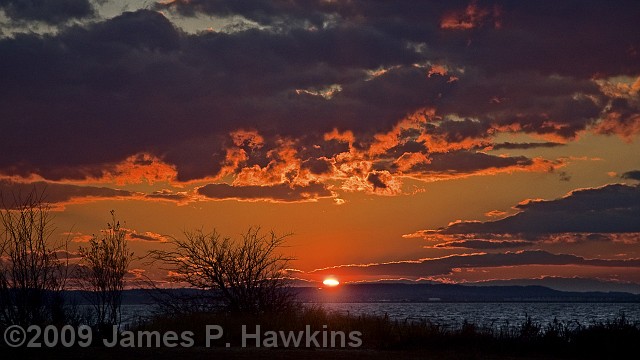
{"x":409,"y":160}
{"x":345,"y":136}
{"x":273,"y":193}
{"x":249,"y":138}
{"x":614,"y":124}
{"x":143,"y":168}
{"x":495,"y":213}
{"x":420,"y":146}
{"x":283,"y":167}
{"x":78,"y":237}
{"x":437,"y":69}
{"x":415,"y":123}
{"x":472,"y":16}
{"x":135,"y":169}
{"x":384,"y":183}
{"x":635,"y":88}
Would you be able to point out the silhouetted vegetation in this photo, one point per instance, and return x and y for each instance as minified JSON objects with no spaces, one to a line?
{"x":610,"y":339}
{"x":33,"y":266}
{"x":105,"y":263}
{"x":239,"y":276}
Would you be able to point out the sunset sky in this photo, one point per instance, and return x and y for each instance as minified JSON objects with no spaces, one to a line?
{"x":454,"y":141}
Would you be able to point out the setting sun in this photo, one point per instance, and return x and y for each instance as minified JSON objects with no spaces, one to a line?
{"x":331,"y":282}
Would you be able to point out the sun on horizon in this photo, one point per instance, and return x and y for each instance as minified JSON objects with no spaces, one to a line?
{"x":331,"y":282}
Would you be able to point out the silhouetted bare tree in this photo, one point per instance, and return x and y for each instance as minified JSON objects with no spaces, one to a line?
{"x":246,"y":276}
{"x":105,"y":262}
{"x":32,"y":276}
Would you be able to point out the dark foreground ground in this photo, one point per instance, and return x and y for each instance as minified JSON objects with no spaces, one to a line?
{"x":382,"y":338}
{"x":197,"y":353}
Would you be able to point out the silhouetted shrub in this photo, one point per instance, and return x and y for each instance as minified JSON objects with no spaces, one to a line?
{"x":241,"y":276}
{"x":105,"y":262}
{"x":33,"y":266}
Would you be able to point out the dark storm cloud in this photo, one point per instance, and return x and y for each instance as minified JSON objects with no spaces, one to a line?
{"x":610,"y":209}
{"x":565,"y":42}
{"x":483,"y":244}
{"x":406,"y":18}
{"x":575,"y":38}
{"x":78,"y":102}
{"x":633,"y":175}
{"x":169,"y":195}
{"x":13,"y":193}
{"x":264,"y":12}
{"x":376,"y":181}
{"x":48,"y":11}
{"x":278,"y":192}
{"x":445,"y":265}
{"x":519,"y":72}
{"x":525,"y":101}
{"x":317,"y":166}
{"x":407,"y":147}
{"x":137,"y":74}
{"x":468,"y":162}
{"x":82,"y":98}
{"x":458,"y":131}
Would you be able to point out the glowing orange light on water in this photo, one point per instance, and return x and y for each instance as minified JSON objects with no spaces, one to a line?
{"x":331,"y":282}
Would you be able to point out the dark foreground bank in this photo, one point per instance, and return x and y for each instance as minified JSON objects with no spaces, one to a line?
{"x":200,"y":353}
{"x":314,"y":333}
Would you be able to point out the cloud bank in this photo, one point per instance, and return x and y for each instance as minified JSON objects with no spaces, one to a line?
{"x":608,"y":213}
{"x":361,"y":93}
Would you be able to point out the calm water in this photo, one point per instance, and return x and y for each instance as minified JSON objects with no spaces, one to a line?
{"x":488,"y":314}
{"x":454,"y":314}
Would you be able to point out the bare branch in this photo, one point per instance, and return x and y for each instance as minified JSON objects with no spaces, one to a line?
{"x":247,"y":275}
{"x":32,"y":277}
{"x":106,"y":261}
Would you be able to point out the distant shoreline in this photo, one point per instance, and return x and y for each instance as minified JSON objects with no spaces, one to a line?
{"x":417,"y":293}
